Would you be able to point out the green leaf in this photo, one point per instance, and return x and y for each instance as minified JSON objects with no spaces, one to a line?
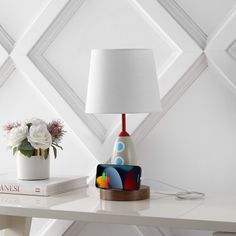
{"x":29,"y":125}
{"x":28,"y":153}
{"x":54,"y":151}
{"x":55,"y":144}
{"x":25,"y":145}
{"x":46,"y":153}
{"x":15,"y":149}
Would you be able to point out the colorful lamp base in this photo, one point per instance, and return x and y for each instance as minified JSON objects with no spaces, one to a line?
{"x":123,"y":152}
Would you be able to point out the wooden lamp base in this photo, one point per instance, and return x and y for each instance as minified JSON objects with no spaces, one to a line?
{"x":123,"y":195}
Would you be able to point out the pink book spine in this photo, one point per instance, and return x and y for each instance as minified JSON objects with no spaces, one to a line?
{"x":20,"y":189}
{"x":9,"y":188}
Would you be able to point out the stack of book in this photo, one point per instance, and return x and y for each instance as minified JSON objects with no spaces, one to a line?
{"x":55,"y":185}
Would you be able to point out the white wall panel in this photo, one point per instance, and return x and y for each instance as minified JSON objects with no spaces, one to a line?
{"x":207,"y":14}
{"x":95,"y":136}
{"x":16,"y":16}
{"x":3,"y":55}
{"x":102,"y":24}
{"x":193,"y":146}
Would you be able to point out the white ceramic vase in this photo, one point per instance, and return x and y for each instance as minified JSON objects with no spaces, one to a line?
{"x":33,"y":168}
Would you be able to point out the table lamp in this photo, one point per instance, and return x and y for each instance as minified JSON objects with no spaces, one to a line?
{"x":122,"y":81}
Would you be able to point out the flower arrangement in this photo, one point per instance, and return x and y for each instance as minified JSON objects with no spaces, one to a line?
{"x":34,"y":137}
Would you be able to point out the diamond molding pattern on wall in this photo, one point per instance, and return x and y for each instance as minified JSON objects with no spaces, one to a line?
{"x":6,"y":70}
{"x":188,"y":42}
{"x":232,"y":49}
{"x":185,"y":21}
{"x":59,"y":83}
{"x":6,"y":40}
{"x":221,"y":48}
{"x":6,"y":64}
{"x":96,"y":137}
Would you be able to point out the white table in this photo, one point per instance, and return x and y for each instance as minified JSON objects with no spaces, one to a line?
{"x":214,"y":213}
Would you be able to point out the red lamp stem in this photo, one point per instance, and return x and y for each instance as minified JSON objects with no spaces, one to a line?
{"x":123,"y":132}
{"x":123,"y":122}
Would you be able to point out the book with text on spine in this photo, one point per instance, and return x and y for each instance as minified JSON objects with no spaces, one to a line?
{"x":55,"y":185}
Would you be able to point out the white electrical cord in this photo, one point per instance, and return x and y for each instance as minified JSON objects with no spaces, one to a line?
{"x":190,"y":195}
{"x":183,"y":194}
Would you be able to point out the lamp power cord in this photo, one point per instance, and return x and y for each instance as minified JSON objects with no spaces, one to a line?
{"x":182,"y":194}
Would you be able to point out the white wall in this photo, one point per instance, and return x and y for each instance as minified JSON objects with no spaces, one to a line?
{"x":193,"y":144}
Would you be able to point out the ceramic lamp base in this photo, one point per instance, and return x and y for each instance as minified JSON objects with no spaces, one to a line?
{"x":123,"y":152}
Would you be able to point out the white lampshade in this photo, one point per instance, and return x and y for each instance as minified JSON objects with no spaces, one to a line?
{"x":122,"y":81}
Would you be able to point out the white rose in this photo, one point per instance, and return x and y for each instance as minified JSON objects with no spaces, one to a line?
{"x":35,"y":121}
{"x":17,"y":135}
{"x":39,"y":136}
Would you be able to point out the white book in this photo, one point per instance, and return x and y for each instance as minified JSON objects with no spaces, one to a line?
{"x":43,"y":201}
{"x":55,"y":185}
